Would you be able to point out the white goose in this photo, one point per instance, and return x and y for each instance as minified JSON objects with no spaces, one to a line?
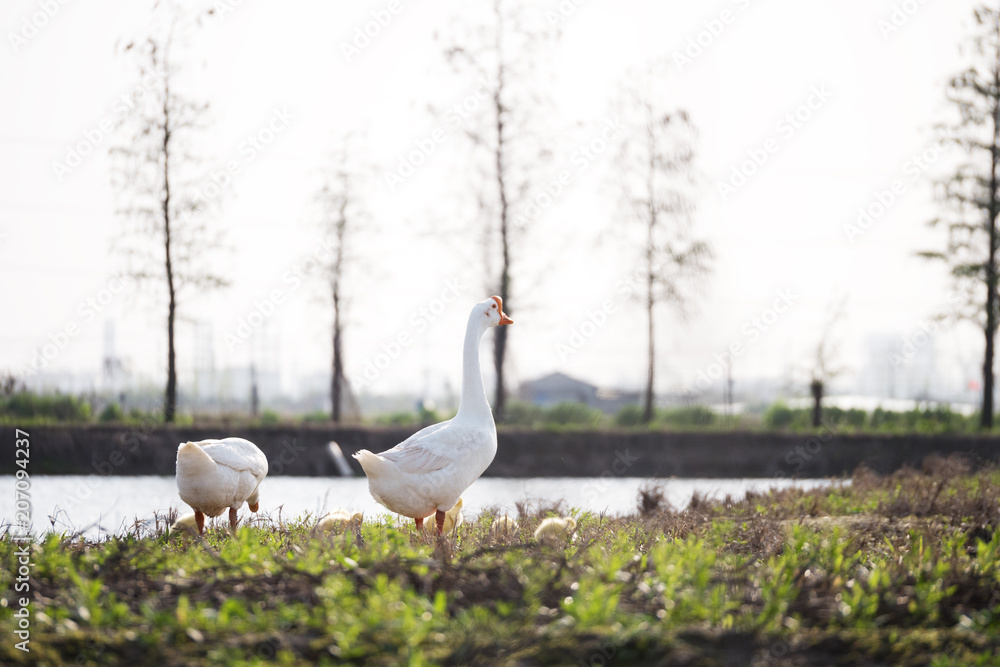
{"x":428,"y":472}
{"x":215,"y":474}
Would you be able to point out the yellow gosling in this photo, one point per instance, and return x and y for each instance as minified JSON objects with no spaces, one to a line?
{"x":339,"y":520}
{"x":187,"y":523}
{"x":453,"y":518}
{"x":503,"y":525}
{"x":552,"y":529}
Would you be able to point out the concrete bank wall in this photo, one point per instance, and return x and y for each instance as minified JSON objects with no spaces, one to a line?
{"x":110,"y":450}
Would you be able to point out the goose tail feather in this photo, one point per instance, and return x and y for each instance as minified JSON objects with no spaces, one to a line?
{"x":372,"y":464}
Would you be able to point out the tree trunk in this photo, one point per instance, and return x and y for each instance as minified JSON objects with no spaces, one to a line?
{"x":816,"y":388}
{"x":500,"y":337}
{"x":500,"y":351}
{"x":336,"y":382}
{"x":986,"y":413}
{"x":170,"y":399}
{"x":337,"y":372}
{"x":647,"y":413}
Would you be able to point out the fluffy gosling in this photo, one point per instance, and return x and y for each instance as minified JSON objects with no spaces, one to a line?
{"x":339,"y":520}
{"x":186,"y":523}
{"x":552,"y":529}
{"x":453,"y":518}
{"x":503,"y":525}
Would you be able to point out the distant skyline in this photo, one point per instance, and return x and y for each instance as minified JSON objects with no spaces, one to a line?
{"x":817,"y":146}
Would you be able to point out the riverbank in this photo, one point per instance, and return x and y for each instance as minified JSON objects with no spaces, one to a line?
{"x":303,"y":450}
{"x":886,"y":570}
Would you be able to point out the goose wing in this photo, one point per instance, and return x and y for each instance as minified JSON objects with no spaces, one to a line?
{"x":416,"y":459}
{"x":422,"y":451}
{"x":238,"y":454}
{"x":423,"y":433}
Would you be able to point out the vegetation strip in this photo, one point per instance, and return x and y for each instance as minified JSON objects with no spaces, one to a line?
{"x":900,"y":569}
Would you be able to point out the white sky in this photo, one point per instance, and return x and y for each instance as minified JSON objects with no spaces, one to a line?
{"x":784,"y":229}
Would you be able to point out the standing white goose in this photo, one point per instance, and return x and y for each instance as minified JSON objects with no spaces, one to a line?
{"x":427,"y":473}
{"x":215,"y":474}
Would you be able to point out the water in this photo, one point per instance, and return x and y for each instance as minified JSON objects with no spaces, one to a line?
{"x":98,"y":506}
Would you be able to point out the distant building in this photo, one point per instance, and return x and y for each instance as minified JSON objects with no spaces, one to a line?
{"x":900,"y":367}
{"x":557,"y":388}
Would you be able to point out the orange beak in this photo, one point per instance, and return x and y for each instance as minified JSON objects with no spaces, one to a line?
{"x":503,"y":316}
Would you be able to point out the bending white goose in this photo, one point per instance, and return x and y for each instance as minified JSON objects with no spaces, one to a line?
{"x":428,"y":472}
{"x":215,"y":474}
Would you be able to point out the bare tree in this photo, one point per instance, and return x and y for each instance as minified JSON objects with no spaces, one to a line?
{"x":342,"y":218}
{"x":657,"y":187}
{"x":504,"y":132}
{"x":972,"y":195}
{"x":166,"y":238}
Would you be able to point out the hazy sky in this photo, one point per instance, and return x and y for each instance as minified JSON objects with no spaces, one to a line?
{"x":838,"y":104}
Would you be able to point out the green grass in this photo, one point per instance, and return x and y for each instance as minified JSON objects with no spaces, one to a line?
{"x":903,"y":569}
{"x":24,"y":409}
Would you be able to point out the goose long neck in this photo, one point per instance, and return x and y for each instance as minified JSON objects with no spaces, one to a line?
{"x":474,"y":402}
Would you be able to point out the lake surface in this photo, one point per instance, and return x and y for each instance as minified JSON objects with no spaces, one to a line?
{"x":97,"y":506}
